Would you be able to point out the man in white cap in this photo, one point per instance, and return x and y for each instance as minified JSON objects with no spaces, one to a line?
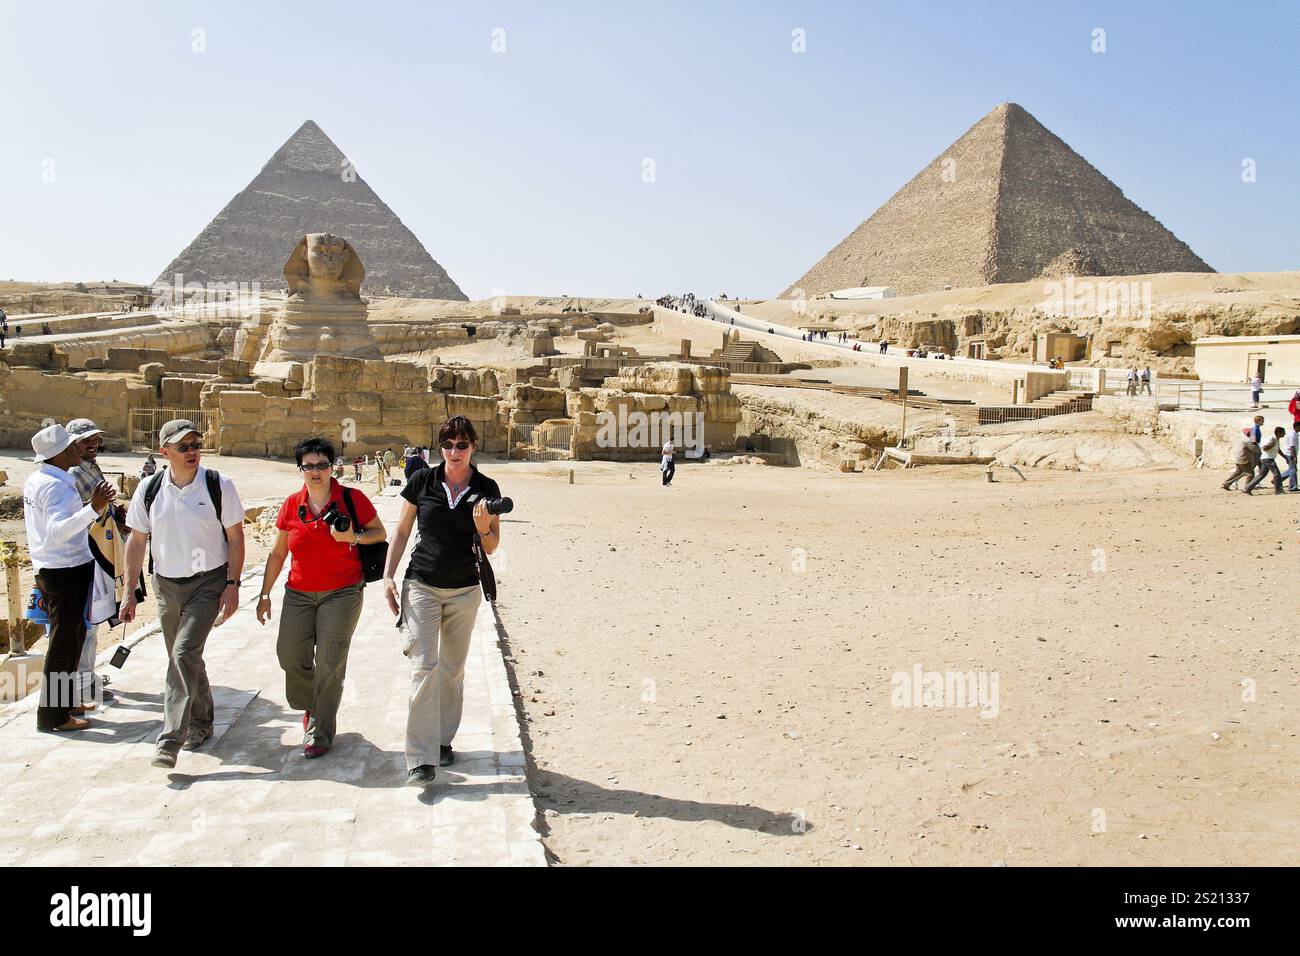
{"x":87,"y":475}
{"x":59,"y":546}
{"x":195,"y":526}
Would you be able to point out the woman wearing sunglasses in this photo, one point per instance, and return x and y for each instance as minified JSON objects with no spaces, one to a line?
{"x":439,"y":598}
{"x":322,"y":598}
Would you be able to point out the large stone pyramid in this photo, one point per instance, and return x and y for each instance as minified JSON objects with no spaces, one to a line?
{"x":1007,"y":202}
{"x":306,"y":187}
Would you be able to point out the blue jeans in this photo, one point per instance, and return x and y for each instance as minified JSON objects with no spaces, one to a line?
{"x":1290,"y":474}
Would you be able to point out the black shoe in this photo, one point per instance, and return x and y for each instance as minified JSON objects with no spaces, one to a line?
{"x":445,"y":756}
{"x":421,"y":776}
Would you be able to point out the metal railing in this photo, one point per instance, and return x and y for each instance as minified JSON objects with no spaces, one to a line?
{"x":554,"y":443}
{"x":1219,"y":397}
{"x":145,"y":423}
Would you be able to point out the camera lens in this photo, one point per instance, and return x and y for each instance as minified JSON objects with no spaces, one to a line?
{"x":342,"y":523}
{"x":500,"y":506}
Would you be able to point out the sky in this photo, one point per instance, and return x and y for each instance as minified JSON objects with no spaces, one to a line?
{"x":621,"y":148}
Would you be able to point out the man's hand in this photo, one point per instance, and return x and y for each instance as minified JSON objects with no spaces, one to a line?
{"x":101,"y":496}
{"x":229,"y":600}
{"x":390,"y":592}
{"x":263,"y":610}
{"x":126,"y":613}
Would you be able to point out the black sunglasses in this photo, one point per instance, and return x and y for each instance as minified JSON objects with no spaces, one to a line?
{"x":189,"y":447}
{"x":447,"y":445}
{"x":319,"y":466}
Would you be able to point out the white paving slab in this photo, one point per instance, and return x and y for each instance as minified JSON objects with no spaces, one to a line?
{"x":249,"y":797}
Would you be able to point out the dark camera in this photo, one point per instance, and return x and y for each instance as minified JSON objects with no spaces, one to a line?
{"x":331,"y":516}
{"x":499,"y":506}
{"x":336,"y":519}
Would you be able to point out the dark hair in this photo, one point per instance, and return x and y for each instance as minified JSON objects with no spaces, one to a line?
{"x":310,"y":446}
{"x":458,"y":426}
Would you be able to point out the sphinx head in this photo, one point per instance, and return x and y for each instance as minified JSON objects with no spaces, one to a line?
{"x":327,"y":254}
{"x":324,"y":266}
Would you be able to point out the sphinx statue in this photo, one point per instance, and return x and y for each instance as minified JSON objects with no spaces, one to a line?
{"x":324,"y":313}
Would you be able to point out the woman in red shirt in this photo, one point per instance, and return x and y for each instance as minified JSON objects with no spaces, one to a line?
{"x":322,"y":598}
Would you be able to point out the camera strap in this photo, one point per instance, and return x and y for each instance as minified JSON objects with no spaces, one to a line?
{"x":486,"y":576}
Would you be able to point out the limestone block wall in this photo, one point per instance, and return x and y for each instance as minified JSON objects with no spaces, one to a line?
{"x":29,"y":396}
{"x":630,"y":418}
{"x":360,"y":405}
{"x":174,"y":338}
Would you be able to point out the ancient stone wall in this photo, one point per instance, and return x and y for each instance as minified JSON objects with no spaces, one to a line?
{"x":30,"y":396}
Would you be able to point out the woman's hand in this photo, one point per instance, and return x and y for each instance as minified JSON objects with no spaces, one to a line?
{"x":390,"y":592}
{"x":482,"y":520}
{"x":347,"y":537}
{"x":263,"y":610}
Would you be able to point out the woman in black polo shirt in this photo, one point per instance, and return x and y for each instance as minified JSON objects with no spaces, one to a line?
{"x":439,"y":598}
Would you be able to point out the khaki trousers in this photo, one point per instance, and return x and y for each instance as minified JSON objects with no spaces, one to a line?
{"x":315,"y":636}
{"x":187,"y":609}
{"x":436,"y":628}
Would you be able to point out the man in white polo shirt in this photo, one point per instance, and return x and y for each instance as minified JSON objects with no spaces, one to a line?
{"x":195,"y":526}
{"x":59,"y":546}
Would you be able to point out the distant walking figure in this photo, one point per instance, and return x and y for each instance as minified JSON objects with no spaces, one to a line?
{"x":666,"y":463}
{"x":1247,"y":456}
{"x":1256,"y":386}
{"x":1268,"y":452}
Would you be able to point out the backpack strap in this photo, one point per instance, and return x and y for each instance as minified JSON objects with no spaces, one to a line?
{"x":152,"y":488}
{"x":352,"y":511}
{"x":213,"y":480}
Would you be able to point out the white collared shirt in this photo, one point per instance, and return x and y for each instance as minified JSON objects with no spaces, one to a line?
{"x":57,"y":521}
{"x":186,"y":538}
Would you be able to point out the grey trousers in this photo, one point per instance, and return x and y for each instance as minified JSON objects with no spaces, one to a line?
{"x":315,"y":635}
{"x":1267,"y":466}
{"x":187,"y":608}
{"x":436,"y":628}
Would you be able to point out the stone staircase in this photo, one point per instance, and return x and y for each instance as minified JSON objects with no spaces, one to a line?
{"x":738,"y":352}
{"x":1059,"y":402}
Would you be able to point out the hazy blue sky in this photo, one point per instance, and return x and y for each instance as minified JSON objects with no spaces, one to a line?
{"x":522,"y":170}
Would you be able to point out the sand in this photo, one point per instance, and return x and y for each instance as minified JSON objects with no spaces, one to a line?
{"x":692,"y":697}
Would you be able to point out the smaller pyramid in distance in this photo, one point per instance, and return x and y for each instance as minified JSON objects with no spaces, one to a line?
{"x":307,"y":186}
{"x":1009,"y":201}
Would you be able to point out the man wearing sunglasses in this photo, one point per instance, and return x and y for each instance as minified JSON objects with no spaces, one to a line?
{"x":192,"y":521}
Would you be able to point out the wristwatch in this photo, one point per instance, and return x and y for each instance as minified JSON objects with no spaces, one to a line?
{"x":230,"y":581}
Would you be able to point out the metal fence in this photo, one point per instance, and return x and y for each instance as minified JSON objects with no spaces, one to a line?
{"x":997,"y":414}
{"x":145,"y":423}
{"x":553,"y":444}
{"x":1216,"y":397}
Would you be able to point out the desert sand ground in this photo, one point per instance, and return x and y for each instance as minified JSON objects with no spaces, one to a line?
{"x":706,"y":669}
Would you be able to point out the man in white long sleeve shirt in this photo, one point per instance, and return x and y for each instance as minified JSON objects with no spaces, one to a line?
{"x":57,"y":541}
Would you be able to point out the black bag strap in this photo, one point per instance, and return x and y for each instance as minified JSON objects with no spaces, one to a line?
{"x":486,"y":576}
{"x":352,"y":511}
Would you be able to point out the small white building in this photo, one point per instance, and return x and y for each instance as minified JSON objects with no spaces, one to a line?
{"x":865,"y":292}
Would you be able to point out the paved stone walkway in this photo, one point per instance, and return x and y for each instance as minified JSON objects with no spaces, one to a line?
{"x":249,"y":796}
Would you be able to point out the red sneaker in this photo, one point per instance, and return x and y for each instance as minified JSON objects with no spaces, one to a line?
{"x":306,"y":716}
{"x":311,"y":750}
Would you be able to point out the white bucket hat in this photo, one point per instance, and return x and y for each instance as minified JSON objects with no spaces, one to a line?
{"x":51,"y":440}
